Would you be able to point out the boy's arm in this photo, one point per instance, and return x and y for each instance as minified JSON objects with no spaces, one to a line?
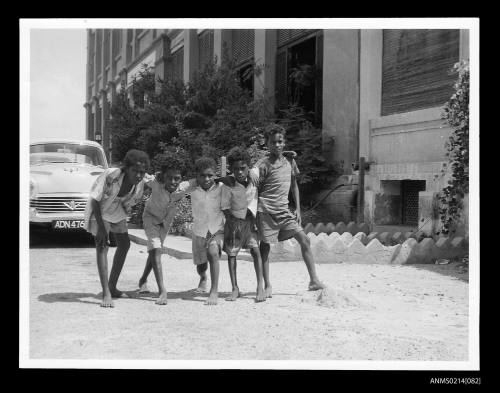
{"x":296,"y":198}
{"x":102,"y":236}
{"x":185,"y":188}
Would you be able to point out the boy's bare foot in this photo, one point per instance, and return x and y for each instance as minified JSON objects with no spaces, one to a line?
{"x":261,"y":295}
{"x":234,"y":295}
{"x":162,"y":299}
{"x":107,"y":301}
{"x":202,"y":286}
{"x":212,"y":299}
{"x":143,"y":287}
{"x":115,"y":293}
{"x":269,"y":291}
{"x":315,"y":285}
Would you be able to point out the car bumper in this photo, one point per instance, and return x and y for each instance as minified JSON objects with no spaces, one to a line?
{"x":47,"y":218}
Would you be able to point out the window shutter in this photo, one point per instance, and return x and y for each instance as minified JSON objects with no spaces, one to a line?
{"x":285,"y":36}
{"x":281,"y":79}
{"x":242,"y":45}
{"x":416,"y":68}
{"x":205,"y":48}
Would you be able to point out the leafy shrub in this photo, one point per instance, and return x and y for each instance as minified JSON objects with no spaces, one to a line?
{"x":456,"y":113}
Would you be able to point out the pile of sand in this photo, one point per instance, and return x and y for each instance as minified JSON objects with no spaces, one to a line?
{"x":335,"y":298}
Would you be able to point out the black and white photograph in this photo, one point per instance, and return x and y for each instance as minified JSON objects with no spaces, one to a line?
{"x":246,"y":193}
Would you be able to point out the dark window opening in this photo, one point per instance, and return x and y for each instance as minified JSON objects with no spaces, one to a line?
{"x":299,"y":76}
{"x":246,"y":79}
{"x":409,"y":193}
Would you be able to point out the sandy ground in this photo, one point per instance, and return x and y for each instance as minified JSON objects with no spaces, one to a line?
{"x":369,"y":312}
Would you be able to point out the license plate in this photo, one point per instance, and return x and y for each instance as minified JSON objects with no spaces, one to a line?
{"x":68,"y":224}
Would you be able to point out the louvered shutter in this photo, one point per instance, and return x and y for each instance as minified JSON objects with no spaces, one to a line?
{"x":285,"y":36}
{"x":281,"y":79}
{"x":205,"y":48}
{"x":242,"y":45}
{"x":416,"y":68}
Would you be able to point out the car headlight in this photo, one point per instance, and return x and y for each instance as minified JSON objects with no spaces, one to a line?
{"x":32,"y":189}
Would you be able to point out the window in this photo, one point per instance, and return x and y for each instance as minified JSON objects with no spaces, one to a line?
{"x":205,"y":48}
{"x":175,"y":68}
{"x":129,"y":45}
{"x":416,"y":68}
{"x":409,"y":192}
{"x":242,"y":45}
{"x":91,"y":57}
{"x":299,"y":71}
{"x":106,"y":47}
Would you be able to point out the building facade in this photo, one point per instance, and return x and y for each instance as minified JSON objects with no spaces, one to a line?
{"x":377,"y":94}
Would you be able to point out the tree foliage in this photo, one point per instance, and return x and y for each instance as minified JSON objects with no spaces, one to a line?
{"x":456,"y":113}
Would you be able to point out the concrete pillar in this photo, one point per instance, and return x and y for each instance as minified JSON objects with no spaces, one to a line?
{"x":103,"y":64}
{"x":88,"y":77}
{"x":190,"y":54}
{"x":162,"y":60}
{"x":222,"y":45}
{"x":341,"y":96}
{"x":124,"y":48}
{"x":96,"y":66}
{"x":370,"y":81}
{"x":265,"y":62}
{"x":464,"y":45}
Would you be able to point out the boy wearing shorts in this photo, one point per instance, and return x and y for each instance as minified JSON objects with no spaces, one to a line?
{"x":275,"y":221}
{"x":159,"y":212}
{"x":239,"y":205}
{"x":114,"y":192}
{"x":208,"y":226}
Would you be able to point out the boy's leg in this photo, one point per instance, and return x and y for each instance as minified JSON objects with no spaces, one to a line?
{"x":305,"y":246}
{"x":235,"y":293}
{"x":143,"y":281}
{"x":202,"y":271}
{"x":122,"y":247}
{"x":102,"y":268}
{"x":257,"y":263}
{"x":264,"y":253}
{"x":162,"y":293}
{"x":213,"y":259}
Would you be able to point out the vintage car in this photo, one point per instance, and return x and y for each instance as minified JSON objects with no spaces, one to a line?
{"x":61,"y":175}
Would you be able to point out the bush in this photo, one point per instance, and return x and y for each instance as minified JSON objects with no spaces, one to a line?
{"x":456,"y":113}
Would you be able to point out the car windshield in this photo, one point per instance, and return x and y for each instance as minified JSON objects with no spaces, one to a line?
{"x":66,"y":153}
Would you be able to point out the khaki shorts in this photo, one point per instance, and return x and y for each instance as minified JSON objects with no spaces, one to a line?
{"x":155,"y":233}
{"x":118,"y":227}
{"x":275,"y":228}
{"x":201,"y":244}
{"x":239,"y":234}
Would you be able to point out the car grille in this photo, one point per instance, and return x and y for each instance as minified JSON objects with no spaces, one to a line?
{"x":58,"y":204}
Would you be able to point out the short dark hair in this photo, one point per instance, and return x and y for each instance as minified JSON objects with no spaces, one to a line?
{"x":273,"y":129}
{"x":203,"y":163}
{"x":174,"y":165}
{"x":135,"y":156}
{"x":237,"y":153}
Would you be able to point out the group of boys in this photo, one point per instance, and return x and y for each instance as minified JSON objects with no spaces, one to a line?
{"x":248,"y":209}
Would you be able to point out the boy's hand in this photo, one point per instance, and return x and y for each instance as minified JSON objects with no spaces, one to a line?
{"x":290,"y":154}
{"x":299,"y":218}
{"x":254,"y":178}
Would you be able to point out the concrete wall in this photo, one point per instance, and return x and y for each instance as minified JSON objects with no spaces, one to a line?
{"x":341,"y":95}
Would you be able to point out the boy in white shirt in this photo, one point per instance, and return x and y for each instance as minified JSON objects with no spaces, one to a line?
{"x":208,"y":226}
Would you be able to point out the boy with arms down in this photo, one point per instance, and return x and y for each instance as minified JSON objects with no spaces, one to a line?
{"x":239,"y":205}
{"x":208,"y":226}
{"x":159,"y":212}
{"x":275,"y":222}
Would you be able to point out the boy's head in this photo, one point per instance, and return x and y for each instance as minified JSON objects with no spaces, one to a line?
{"x":274,"y":135}
{"x":239,"y":162}
{"x":171,"y":175}
{"x":135,"y":165}
{"x":205,"y":172}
